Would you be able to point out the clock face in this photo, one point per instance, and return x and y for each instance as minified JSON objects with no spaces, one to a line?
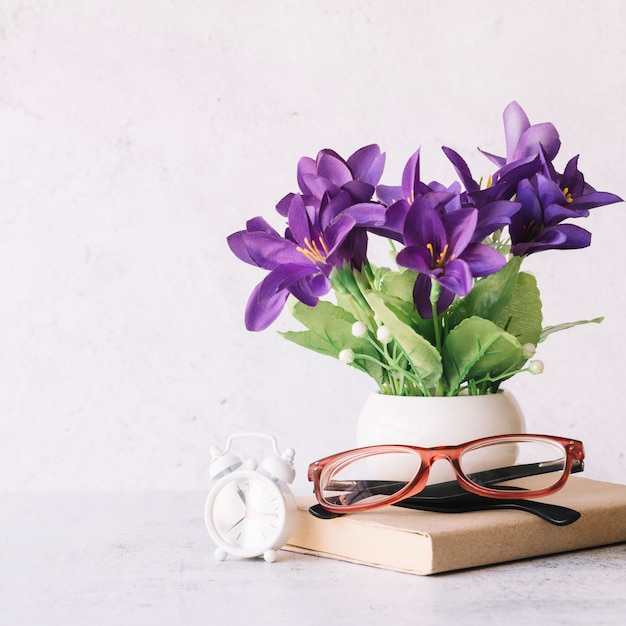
{"x":247,"y":512}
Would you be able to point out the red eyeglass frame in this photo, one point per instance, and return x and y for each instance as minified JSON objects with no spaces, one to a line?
{"x":573,"y":448}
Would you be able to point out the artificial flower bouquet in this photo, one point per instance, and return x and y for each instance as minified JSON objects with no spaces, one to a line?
{"x":456,"y":313}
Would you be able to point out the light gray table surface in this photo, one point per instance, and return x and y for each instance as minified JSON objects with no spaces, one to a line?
{"x":145,"y":558}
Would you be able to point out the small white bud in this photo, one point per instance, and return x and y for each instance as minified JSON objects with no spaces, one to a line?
{"x":383,"y":334}
{"x":359,"y":329}
{"x":535,"y":367}
{"x":529,"y":349}
{"x":346,"y":356}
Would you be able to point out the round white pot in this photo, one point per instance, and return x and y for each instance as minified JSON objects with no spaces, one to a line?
{"x":437,"y":421}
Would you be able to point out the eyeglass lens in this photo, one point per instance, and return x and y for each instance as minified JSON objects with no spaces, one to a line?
{"x":494,"y":465}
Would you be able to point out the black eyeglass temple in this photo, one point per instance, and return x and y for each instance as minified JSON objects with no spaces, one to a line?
{"x":355,"y":490}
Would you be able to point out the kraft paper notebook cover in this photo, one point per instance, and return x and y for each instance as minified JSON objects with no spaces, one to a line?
{"x":422,"y":542}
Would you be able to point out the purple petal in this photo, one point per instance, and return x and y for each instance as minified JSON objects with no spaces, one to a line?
{"x":353,"y":250}
{"x":237,"y":244}
{"x":499,"y":161}
{"x":446,"y":297}
{"x":421,"y":297}
{"x":319,"y":285}
{"x":367,"y":164}
{"x":593,"y":200}
{"x":336,"y":233}
{"x":493,"y":216}
{"x":462,"y":169}
{"x":531,"y":212}
{"x":575,"y":237}
{"x":245,"y":243}
{"x":283,"y":204}
{"x":331,"y":208}
{"x":309,"y":289}
{"x":460,"y":226}
{"x":560,"y":237}
{"x":306,"y":167}
{"x":393,"y":225}
{"x":360,"y":191}
{"x":516,"y":122}
{"x":415,"y":258}
{"x":389,"y":194}
{"x":423,"y":225}
{"x":331,"y":166}
{"x":572,"y":179}
{"x":258,"y":224}
{"x":368,"y":214}
{"x":457,"y":277}
{"x":259,"y":315}
{"x":507,"y":177}
{"x":482,"y":260}
{"x":549,"y":191}
{"x":411,"y":176}
{"x":319,"y":185}
{"x":556,"y":213}
{"x":282,"y":277}
{"x":299,"y":223}
{"x":269,"y":251}
{"x":539,"y":135}
{"x":302,"y":292}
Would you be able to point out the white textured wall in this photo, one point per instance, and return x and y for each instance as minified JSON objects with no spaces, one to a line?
{"x":136,"y":135}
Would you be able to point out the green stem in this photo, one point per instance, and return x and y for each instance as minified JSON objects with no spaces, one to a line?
{"x":435,"y":290}
{"x":344,"y":281}
{"x":390,"y":367}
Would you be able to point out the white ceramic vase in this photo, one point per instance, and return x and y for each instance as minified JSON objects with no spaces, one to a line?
{"x":437,"y":421}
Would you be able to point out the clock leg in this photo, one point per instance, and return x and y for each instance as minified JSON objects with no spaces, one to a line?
{"x":269,"y":556}
{"x":220,"y":554}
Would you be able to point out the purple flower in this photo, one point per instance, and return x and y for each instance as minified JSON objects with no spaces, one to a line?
{"x":493,"y":211}
{"x":399,"y":199}
{"x":580,"y":195}
{"x":329,"y":174}
{"x":331,"y":186}
{"x":523,"y":140}
{"x":353,"y":249}
{"x":411,"y":186}
{"x":440,"y":247}
{"x":501,"y":185}
{"x":538,"y":226}
{"x":298,"y":264}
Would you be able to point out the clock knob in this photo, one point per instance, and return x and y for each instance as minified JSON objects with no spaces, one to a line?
{"x":220,"y":554}
{"x":251,"y":464}
{"x":222,"y":463}
{"x":269,"y":556}
{"x":281,"y":467}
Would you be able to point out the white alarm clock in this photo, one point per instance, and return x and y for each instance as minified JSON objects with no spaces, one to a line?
{"x":250,"y":510}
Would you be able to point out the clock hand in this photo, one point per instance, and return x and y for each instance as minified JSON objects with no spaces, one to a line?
{"x":235,"y":524}
{"x":241,"y":494}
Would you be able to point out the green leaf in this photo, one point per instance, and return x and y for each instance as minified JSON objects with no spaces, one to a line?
{"x":522,"y":317}
{"x":476,"y":350}
{"x":323,"y":316}
{"x":330,"y":332}
{"x":399,"y":284}
{"x":308,"y":339}
{"x":488,"y":297}
{"x":397,"y":291}
{"x":548,"y":330}
{"x":421,"y":354}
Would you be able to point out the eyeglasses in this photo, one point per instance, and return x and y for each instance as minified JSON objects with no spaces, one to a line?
{"x":375,"y":476}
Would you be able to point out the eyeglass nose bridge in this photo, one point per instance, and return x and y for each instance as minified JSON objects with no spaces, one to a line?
{"x":430,"y":457}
